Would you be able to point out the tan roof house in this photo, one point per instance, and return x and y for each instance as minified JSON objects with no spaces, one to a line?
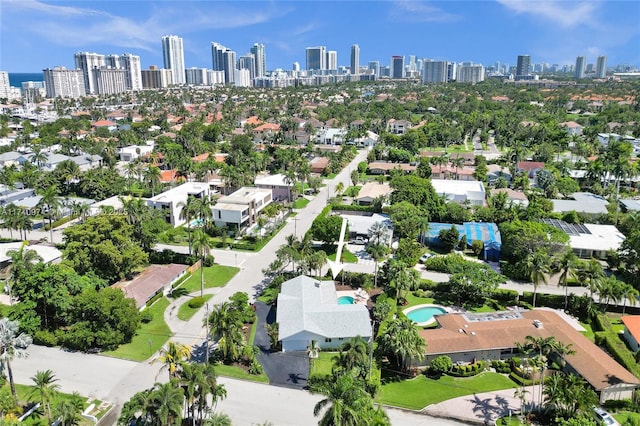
{"x":154,"y":280}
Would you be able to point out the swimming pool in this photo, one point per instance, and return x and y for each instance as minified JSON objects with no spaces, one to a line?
{"x":423,"y":314}
{"x":346,"y":300}
{"x":196,"y":223}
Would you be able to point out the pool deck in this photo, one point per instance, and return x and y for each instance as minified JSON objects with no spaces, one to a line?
{"x":357,"y":297}
{"x":427,"y":305}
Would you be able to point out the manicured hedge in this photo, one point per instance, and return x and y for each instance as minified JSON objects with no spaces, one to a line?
{"x":352,"y":208}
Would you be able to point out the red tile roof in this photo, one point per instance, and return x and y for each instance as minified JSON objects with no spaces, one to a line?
{"x":103,"y":123}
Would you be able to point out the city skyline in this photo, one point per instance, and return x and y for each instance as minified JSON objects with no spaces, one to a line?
{"x":479,"y":32}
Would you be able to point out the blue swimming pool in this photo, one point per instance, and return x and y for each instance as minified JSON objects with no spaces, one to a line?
{"x":424,"y":314}
{"x":345,"y":300}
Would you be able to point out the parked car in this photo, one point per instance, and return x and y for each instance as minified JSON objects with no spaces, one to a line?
{"x":426,"y":256}
{"x":605,"y":417}
{"x":360,"y":241}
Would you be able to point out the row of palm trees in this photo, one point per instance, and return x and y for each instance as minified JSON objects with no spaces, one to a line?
{"x":190,"y":394}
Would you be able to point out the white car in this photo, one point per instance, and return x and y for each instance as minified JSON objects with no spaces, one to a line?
{"x":605,"y":417}
{"x":426,"y":256}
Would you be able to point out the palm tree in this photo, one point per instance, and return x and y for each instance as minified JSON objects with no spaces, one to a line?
{"x":12,"y":345}
{"x":38,"y":157}
{"x":403,"y":342}
{"x":225,"y":325}
{"x":378,"y":234}
{"x":166,"y":403}
{"x":173,"y":356}
{"x":69,"y":411}
{"x":186,"y":213}
{"x":377,"y":253}
{"x":44,"y":390}
{"x":51,"y":201}
{"x":629,"y":294}
{"x":457,"y":163}
{"x":566,"y":265}
{"x":152,"y":177}
{"x":344,"y":403}
{"x":406,"y":279}
{"x":591,"y":273}
{"x":191,"y":378}
{"x":538,"y":266}
{"x":354,"y":354}
{"x":218,"y":419}
{"x":201,"y":247}
{"x":21,"y":261}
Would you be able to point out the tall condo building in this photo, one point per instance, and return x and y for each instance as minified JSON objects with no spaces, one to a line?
{"x":64,"y":83}
{"x":261,"y":59}
{"x":133,"y":70}
{"x":523,"y":68}
{"x":332,"y":60}
{"x":87,"y":63}
{"x":412,"y":62}
{"x":110,"y":81}
{"x":173,"y":54}
{"x":397,"y":67}
{"x":434,"y":72}
{"x":248,"y":62}
{"x":155,"y":78}
{"x":601,"y":67}
{"x":581,"y":64}
{"x":197,"y":76}
{"x":355,"y":59}
{"x":224,"y":59}
{"x":316,"y":57}
{"x":470,"y":73}
{"x":452,"y":69}
{"x":5,"y":86}
{"x":375,"y":67}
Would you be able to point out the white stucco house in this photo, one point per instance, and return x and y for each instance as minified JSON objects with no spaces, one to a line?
{"x":308,"y":310}
{"x":172,"y":201}
{"x":240,"y":209}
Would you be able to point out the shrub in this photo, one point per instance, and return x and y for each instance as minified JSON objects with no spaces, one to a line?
{"x":45,"y":338}
{"x":154,"y":298}
{"x":441,"y":364}
{"x":208,"y":261}
{"x":146,"y":316}
{"x":501,"y":367}
{"x":196,"y":302}
{"x":477,"y":247}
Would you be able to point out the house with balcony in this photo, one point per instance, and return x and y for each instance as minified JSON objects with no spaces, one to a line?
{"x":240,"y":209}
{"x":398,"y":127}
{"x":171,"y":202}
{"x":280,"y":188}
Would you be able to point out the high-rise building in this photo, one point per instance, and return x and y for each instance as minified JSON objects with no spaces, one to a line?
{"x":215,"y":77}
{"x":261,"y":59}
{"x":242,"y":78}
{"x":355,"y":59}
{"x":375,"y":67}
{"x":217,"y":56}
{"x":173,"y":54}
{"x":434,"y":72}
{"x":197,"y":76}
{"x":397,"y":67}
{"x":470,"y":73}
{"x":316,"y":57}
{"x":452,"y":69}
{"x":155,"y":78}
{"x":412,"y":63}
{"x":295,"y":67}
{"x":131,"y":64}
{"x":5,"y":87}
{"x":332,"y":60}
{"x":64,"y":83}
{"x":87,"y":63}
{"x":110,"y":81}
{"x":229,"y":58}
{"x":581,"y":64}
{"x":248,"y":62}
{"x":523,"y":68}
{"x":601,"y":67}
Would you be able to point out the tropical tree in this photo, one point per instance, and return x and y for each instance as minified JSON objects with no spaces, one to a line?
{"x":152,"y":177}
{"x":172,"y":357}
{"x":51,"y":201}
{"x":402,"y":341}
{"x":201,"y":247}
{"x":378,"y":234}
{"x":538,"y":266}
{"x":345,"y":401}
{"x":225,"y":325}
{"x":590,"y":274}
{"x":354,"y":355}
{"x":44,"y":390}
{"x":186,"y":213}
{"x":566,"y":266}
{"x":13,"y":344}
{"x":377,"y":253}
{"x":69,"y":410}
{"x":22,"y":261}
{"x":166,"y":403}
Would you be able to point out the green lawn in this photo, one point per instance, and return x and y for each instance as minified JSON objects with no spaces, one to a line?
{"x":622,"y":417}
{"x":239,"y":373}
{"x":157,"y":332}
{"x":589,"y":334}
{"x":300,"y":203}
{"x":214,"y":276}
{"x":417,"y":393}
{"x":414,"y":300}
{"x":347,"y":256}
{"x":322,"y":365}
{"x":185,"y":312}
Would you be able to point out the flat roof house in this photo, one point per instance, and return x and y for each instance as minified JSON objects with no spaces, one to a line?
{"x":581,"y":202}
{"x":460,"y":191}
{"x":280,"y":189}
{"x":487,"y":336}
{"x":590,"y":240}
{"x":240,"y":209}
{"x":170,"y":201}
{"x":308,"y":310}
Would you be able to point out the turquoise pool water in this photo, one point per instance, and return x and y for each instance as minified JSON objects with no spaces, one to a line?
{"x":425,"y":314}
{"x":196,"y":223}
{"x":345,"y":300}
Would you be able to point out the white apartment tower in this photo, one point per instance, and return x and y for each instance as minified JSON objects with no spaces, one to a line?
{"x":110,"y":81}
{"x":131,"y":64}
{"x":248,"y":62}
{"x":601,"y":67}
{"x":5,"y":87}
{"x":469,"y":73}
{"x":435,"y":72}
{"x":87,"y":63}
{"x":374,"y":66}
{"x":64,"y":83}
{"x":355,"y":59}
{"x":332,"y":60}
{"x":581,"y":64}
{"x":261,"y":59}
{"x":173,"y":54}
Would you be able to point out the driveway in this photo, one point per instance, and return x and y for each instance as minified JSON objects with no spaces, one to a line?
{"x":289,"y":369}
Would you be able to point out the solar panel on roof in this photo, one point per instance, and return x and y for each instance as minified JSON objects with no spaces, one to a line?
{"x":569,"y":228}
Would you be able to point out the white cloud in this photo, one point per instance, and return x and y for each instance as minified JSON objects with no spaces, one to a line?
{"x":563,"y":13}
{"x":416,"y":11}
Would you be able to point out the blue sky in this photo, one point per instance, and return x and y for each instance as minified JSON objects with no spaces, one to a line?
{"x":40,"y":34}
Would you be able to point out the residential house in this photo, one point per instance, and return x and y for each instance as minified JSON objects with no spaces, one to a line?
{"x":308,"y":310}
{"x":530,"y":168}
{"x":155,"y":279}
{"x":398,"y":127}
{"x":573,"y":128}
{"x":331,"y":136}
{"x":461,"y":191}
{"x":132,"y":152}
{"x":360,"y":224}
{"x":450,"y":172}
{"x":515,"y":198}
{"x":496,"y":171}
{"x":171,"y":202}
{"x":266,"y":130}
{"x":582,"y":202}
{"x":278,"y":184}
{"x":319,"y":165}
{"x":12,"y":158}
{"x":86,"y":161}
{"x":47,"y":253}
{"x":590,"y":240}
{"x":630,"y":205}
{"x":632,"y":331}
{"x":468,"y":337}
{"x":372,"y":190}
{"x":240,"y":209}
{"x":383,"y":167}
{"x":105,"y":123}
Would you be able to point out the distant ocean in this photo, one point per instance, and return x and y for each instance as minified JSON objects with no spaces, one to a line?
{"x":17,"y":78}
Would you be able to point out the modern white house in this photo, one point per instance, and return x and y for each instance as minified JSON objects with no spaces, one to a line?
{"x":460,"y":191}
{"x":308,"y":310}
{"x":280,"y":189}
{"x":131,"y":152}
{"x":398,"y":127}
{"x":331,"y":136}
{"x":590,"y":240}
{"x":359,"y":225}
{"x":240,"y":209}
{"x":170,"y":202}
